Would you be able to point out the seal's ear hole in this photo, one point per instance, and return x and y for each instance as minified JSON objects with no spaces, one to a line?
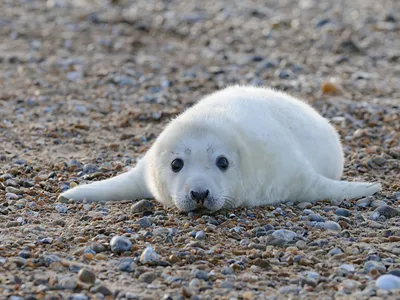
{"x":222,"y":163}
{"x":177,"y":165}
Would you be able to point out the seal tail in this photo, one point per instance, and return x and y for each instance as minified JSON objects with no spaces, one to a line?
{"x":325,"y":188}
{"x":127,"y":186}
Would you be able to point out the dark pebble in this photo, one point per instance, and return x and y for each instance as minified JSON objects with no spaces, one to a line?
{"x":343,"y":212}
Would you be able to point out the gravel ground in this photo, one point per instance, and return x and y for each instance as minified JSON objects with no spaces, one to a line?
{"x":86,"y":86}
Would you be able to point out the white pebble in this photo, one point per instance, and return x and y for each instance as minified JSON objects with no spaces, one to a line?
{"x":149,"y":256}
{"x":388,"y":282}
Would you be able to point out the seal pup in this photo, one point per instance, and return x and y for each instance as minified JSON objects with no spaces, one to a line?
{"x":239,"y":146}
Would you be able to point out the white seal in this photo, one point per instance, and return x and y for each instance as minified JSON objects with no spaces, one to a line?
{"x":240,"y":146}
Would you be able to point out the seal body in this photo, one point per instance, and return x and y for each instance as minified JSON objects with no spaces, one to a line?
{"x":240,"y":146}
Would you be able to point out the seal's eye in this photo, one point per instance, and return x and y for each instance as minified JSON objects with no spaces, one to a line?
{"x":222,"y":163}
{"x":177,"y":165}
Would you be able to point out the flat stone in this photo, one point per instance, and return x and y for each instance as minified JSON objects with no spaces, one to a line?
{"x":365,"y":202}
{"x":142,"y":206}
{"x":285,"y":234}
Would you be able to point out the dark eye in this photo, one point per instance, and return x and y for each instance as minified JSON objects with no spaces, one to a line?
{"x":177,"y":165}
{"x":222,"y":163}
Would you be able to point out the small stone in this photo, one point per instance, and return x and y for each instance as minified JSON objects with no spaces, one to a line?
{"x":62,"y":209}
{"x":78,"y":297}
{"x":285,"y":73}
{"x":68,"y":283}
{"x":316,"y":218}
{"x":262,"y":263}
{"x":227,"y":285}
{"x":102,"y":290}
{"x":331,"y":225}
{"x":301,"y":244}
{"x":144,"y":222}
{"x":343,"y":212}
{"x":377,"y":203}
{"x":120,"y":244}
{"x":24,"y":254}
{"x":248,"y":296}
{"x":387,"y":211}
{"x":127,"y":265}
{"x":142,"y":206}
{"x":303,"y":205}
{"x":14,"y":190}
{"x":90,"y":169}
{"x":97,"y":247}
{"x":365,"y":202}
{"x":374,"y":265}
{"x":388,"y":282}
{"x":194,"y":283}
{"x":11,"y":196}
{"x":147,"y":277}
{"x":227,"y":271}
{"x":329,"y":87}
{"x":200,"y":235}
{"x":285,"y":234}
{"x":335,"y":251}
{"x":149,"y":256}
{"x":346,"y":268}
{"x":379,"y":160}
{"x":200,"y":274}
{"x":290,"y":289}
{"x":395,"y":272}
{"x":86,"y":276}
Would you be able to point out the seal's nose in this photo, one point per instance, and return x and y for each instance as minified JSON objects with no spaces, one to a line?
{"x":199,"y":196}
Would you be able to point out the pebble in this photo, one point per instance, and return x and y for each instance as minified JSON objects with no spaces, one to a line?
{"x":68,"y":283}
{"x":86,"y":276}
{"x":289,"y":289}
{"x":285,"y":234}
{"x":346,"y":268}
{"x":387,"y":211}
{"x":335,"y":251}
{"x":388,"y":282}
{"x":374,"y":265}
{"x":127,"y":265}
{"x":395,"y":272}
{"x":202,"y":275}
{"x":120,"y":244}
{"x":78,"y":297}
{"x":142,"y":206}
{"x":13,"y":190}
{"x":90,"y":169}
{"x":365,"y":202}
{"x":343,"y":212}
{"x":102,"y":290}
{"x":148,"y":277}
{"x":227,"y":271}
{"x":11,"y":196}
{"x":303,"y":205}
{"x":149,"y":256}
{"x":331,"y":225}
{"x":97,"y":247}
{"x":144,"y":222}
{"x":62,"y":209}
{"x":316,"y":218}
{"x":377,"y":203}
{"x":200,"y":235}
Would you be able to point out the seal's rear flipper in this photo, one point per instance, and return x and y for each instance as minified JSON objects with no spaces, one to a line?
{"x":325,"y":188}
{"x":127,"y":186}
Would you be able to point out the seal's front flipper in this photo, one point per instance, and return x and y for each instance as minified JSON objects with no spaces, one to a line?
{"x":325,"y":188}
{"x":127,"y":186}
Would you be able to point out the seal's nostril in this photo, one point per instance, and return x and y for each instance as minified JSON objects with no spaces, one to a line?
{"x":199,"y":196}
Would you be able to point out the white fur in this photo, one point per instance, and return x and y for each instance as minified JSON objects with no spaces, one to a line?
{"x":279,"y":149}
